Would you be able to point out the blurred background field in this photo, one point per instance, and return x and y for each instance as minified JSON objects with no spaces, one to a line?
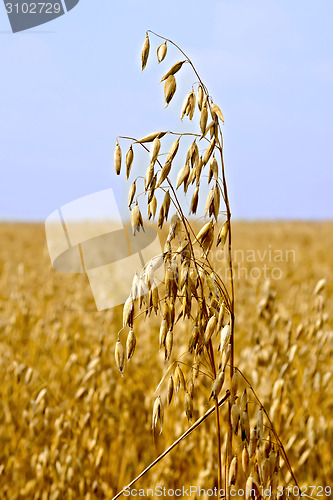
{"x":72,"y":427}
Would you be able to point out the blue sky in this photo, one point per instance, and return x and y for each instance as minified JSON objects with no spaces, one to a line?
{"x":70,"y":87}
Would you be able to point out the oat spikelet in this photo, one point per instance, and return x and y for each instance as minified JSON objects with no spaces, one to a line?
{"x":183,"y":174}
{"x":164,"y":173}
{"x":120,"y":356}
{"x":152,"y":208}
{"x":169,"y":89}
{"x":200,"y":96}
{"x":174,"y":226}
{"x":145,"y":52}
{"x":209,"y":151}
{"x":161,"y":52}
{"x":179,"y":379}
{"x":130,"y":344}
{"x":155,"y":149}
{"x":216,"y":110}
{"x":157,"y":414}
{"x":173,"y":70}
{"x":234,"y":417}
{"x":150,"y":137}
{"x":225,"y":356}
{"x":194,"y":201}
{"x":209,"y":205}
{"x":253,"y":442}
{"x":173,"y":150}
{"x":117,"y":158}
{"x":128,"y":312}
{"x":217,"y":385}
{"x":206,"y":235}
{"x":136,"y":219}
{"x":203,"y":117}
{"x":213,"y":170}
{"x":168,"y":344}
{"x":210,"y":329}
{"x":233,"y":471}
{"x":223,"y":234}
{"x":245,"y":460}
{"x":129,"y":161}
{"x":170,"y":391}
{"x":245,"y":426}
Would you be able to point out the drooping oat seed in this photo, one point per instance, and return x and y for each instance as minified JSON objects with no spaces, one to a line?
{"x":151,"y":137}
{"x":225,"y":356}
{"x":170,"y":390}
{"x":149,"y":176}
{"x":234,"y":386}
{"x":136,"y":219}
{"x":157,"y":414}
{"x":131,"y":193}
{"x":129,"y":161}
{"x":169,"y":89}
{"x":203,"y":117}
{"x":225,"y":337}
{"x":245,"y":460}
{"x":209,"y":151}
{"x":200,"y":96}
{"x":233,"y":471}
{"x":213,"y":170}
{"x":120,"y":356}
{"x":198,"y":168}
{"x":320,"y":286}
{"x":194,"y":201}
{"x":128,"y":312}
{"x":152,"y":207}
{"x":117,"y":158}
{"x":168,"y":344}
{"x":223,"y":234}
{"x":163,"y":332}
{"x":210,"y":329}
{"x":173,"y":70}
{"x":217,"y":385}
{"x":130,"y":344}
{"x":155,"y":149}
{"x":179,"y":379}
{"x":183,"y":174}
{"x":209,"y":205}
{"x":164,"y":173}
{"x":245,"y":425}
{"x":173,"y":150}
{"x":216,"y":110}
{"x":145,"y":52}
{"x":174,"y":226}
{"x":193,"y":338}
{"x":206,"y":235}
{"x":161,"y":52}
{"x":234,"y":417}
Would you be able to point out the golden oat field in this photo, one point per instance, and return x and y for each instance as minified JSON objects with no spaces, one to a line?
{"x":71,"y":427}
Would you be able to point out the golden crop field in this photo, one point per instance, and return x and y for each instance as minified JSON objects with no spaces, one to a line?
{"x":72,"y":427}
